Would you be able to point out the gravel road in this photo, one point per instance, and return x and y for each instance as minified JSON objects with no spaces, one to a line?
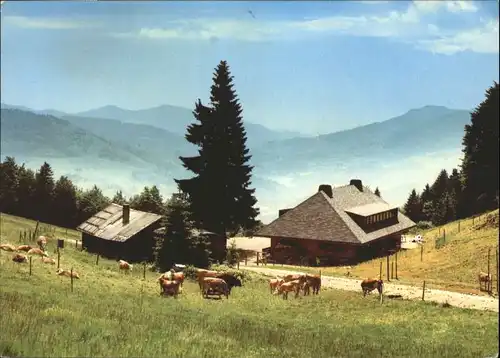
{"x":407,"y":292}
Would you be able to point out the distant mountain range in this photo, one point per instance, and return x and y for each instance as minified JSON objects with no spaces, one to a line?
{"x":149,"y":142}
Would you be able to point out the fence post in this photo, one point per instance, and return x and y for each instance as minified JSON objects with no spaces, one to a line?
{"x":458,"y":225}
{"x":58,"y":256}
{"x":246,"y":258}
{"x":76,"y":244}
{"x":496,"y":256}
{"x":97,"y":260}
{"x":257,"y":258}
{"x":30,"y":265}
{"x":72,"y":279}
{"x":444,"y":236}
{"x":423,"y":292}
{"x":392,"y":270}
{"x":144,"y":271}
{"x":36,"y":229}
{"x":20,"y":236}
{"x":388,"y":279}
{"x":380,"y":272}
{"x":421,"y":253}
{"x":489,"y":281}
{"x":382,"y":294}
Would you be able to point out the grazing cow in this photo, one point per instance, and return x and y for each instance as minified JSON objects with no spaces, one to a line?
{"x":125,"y":266}
{"x":311,"y":281}
{"x":48,"y":260}
{"x":20,"y":258}
{"x":231,"y":281}
{"x":37,"y":251}
{"x":274,"y":283}
{"x":215,"y":286}
{"x":24,"y":248}
{"x":292,"y":277}
{"x":484,"y":278}
{"x":201,"y":274}
{"x":169,"y":288}
{"x":8,"y":247}
{"x":290,"y":286}
{"x":41,"y":242}
{"x":67,"y":273}
{"x":369,"y":284}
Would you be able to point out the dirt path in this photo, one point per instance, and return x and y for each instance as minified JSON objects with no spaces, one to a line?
{"x":407,"y":292}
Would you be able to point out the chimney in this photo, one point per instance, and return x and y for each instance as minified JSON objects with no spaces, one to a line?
{"x":357,"y":183}
{"x":126,"y":214}
{"x":327,"y":189}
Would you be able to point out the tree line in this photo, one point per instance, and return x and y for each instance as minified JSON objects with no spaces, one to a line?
{"x":473,"y":188}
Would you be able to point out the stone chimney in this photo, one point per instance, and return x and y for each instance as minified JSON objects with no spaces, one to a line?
{"x":126,"y":214}
{"x":357,"y":183}
{"x":327,"y":189}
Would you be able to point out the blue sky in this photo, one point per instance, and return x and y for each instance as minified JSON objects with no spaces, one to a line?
{"x":314,"y":67}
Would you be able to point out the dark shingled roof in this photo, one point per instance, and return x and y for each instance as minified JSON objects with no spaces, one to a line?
{"x":326,"y":219}
{"x":108,"y":224}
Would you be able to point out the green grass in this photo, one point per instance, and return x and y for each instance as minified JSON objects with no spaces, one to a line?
{"x":452,"y":266}
{"x":109,"y":314}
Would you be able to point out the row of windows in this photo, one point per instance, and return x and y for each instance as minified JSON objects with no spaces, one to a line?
{"x":380,"y":217}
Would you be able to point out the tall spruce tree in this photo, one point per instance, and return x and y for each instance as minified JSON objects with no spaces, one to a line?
{"x":412,"y":207}
{"x":119,"y":198}
{"x":481,"y":155}
{"x":9,"y":182}
{"x":44,"y":193}
{"x":26,"y":193}
{"x":377,"y":192}
{"x":65,"y":204}
{"x":426,"y":200}
{"x":222,"y":173}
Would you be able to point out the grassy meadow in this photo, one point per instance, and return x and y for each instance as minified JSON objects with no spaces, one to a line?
{"x":453,"y":267}
{"x":111,"y":314}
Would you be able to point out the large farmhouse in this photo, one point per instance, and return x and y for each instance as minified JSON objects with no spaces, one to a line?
{"x":341,"y":225}
{"x":119,"y":232}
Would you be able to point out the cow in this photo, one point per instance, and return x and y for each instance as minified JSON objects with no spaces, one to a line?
{"x":37,"y":251}
{"x":169,"y":288}
{"x":311,"y":281}
{"x":24,"y":248}
{"x":214,"y":286}
{"x":201,"y":274}
{"x":8,"y":247}
{"x":41,"y":242}
{"x":20,"y":258}
{"x":67,"y":273}
{"x":231,"y":280}
{"x":124,"y":266}
{"x":369,"y":284}
{"x":292,"y":277}
{"x":484,"y":278}
{"x":290,"y":286}
{"x":274,"y":283}
{"x":48,"y":260}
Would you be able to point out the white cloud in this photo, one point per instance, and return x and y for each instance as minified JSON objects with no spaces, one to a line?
{"x":44,"y":23}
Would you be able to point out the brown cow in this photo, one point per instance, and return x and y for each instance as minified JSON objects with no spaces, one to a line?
{"x":201,"y":274}
{"x":369,"y":284}
{"x":8,"y":247}
{"x":41,"y":242}
{"x":125,"y":266}
{"x":20,"y":258}
{"x":274,"y":283}
{"x":484,"y":278}
{"x":48,"y":260}
{"x":24,"y":248}
{"x":290,"y":286}
{"x":215,"y":286}
{"x":311,"y":281}
{"x":67,"y":273}
{"x":37,"y":251}
{"x":292,"y":277}
{"x":169,"y":288}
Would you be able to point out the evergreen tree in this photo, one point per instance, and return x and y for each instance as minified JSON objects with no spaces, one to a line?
{"x":90,"y":203}
{"x":26,"y":193}
{"x":426,"y":200}
{"x":177,"y":244}
{"x":119,"y":198}
{"x":150,"y":200}
{"x":65,"y":203}
{"x":440,"y":186}
{"x":481,"y":154}
{"x":377,"y":192}
{"x":222,"y":172}
{"x":412,"y":207}
{"x":44,"y":193}
{"x":9,"y":182}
